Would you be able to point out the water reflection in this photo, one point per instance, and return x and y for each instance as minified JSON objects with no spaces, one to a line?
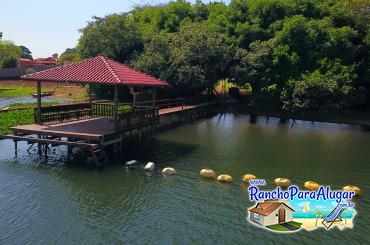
{"x":74,"y":204}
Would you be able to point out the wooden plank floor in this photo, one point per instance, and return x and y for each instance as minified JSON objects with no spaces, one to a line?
{"x":171,"y":110}
{"x":92,"y":129}
{"x":88,"y":129}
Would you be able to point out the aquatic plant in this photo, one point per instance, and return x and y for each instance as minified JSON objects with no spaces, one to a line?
{"x":16,"y":117}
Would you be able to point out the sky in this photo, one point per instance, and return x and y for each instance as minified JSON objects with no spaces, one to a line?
{"x":47,"y":27}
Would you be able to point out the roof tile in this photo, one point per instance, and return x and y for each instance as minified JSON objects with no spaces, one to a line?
{"x":100,"y":70}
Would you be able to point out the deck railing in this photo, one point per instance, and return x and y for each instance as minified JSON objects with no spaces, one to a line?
{"x":142,"y":112}
{"x":102,"y":110}
{"x":161,"y":104}
{"x":136,"y":119}
{"x":62,"y":113}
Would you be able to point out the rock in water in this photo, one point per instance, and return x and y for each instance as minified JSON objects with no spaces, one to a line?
{"x":208,"y":173}
{"x":149,"y":166}
{"x":247,"y":177}
{"x":225,"y":178}
{"x":168,"y":171}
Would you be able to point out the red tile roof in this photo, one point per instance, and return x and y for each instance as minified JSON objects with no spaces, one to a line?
{"x":266,"y":208}
{"x":100,"y":70}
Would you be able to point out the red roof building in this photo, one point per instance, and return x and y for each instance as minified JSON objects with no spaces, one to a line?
{"x":47,"y":61}
{"x":98,"y":70}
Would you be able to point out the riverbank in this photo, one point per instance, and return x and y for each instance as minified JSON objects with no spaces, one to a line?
{"x":18,"y":88}
{"x":359,"y":118}
{"x":349,"y":117}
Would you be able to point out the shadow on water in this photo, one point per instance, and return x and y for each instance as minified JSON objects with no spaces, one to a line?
{"x":151,"y":151}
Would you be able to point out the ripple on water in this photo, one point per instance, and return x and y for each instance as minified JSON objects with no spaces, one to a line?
{"x":59,"y":204}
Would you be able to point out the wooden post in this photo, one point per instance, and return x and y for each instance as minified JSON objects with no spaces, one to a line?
{"x":15,"y":146}
{"x":38,"y":114}
{"x":115,"y":108}
{"x":90,"y":99}
{"x":132,"y":90}
{"x":154,"y":95}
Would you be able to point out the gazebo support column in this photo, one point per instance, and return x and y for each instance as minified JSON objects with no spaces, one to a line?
{"x":90,"y":99}
{"x":38,"y":113}
{"x":115,"y":108}
{"x":154,"y":95}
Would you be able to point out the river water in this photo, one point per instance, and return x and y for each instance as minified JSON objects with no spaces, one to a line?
{"x":4,"y":101}
{"x":58,"y":204}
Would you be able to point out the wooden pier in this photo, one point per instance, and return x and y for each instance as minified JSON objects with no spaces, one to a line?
{"x":93,"y":128}
{"x":96,"y":125}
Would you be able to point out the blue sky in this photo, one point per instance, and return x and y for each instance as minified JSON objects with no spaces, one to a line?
{"x":47,"y":27}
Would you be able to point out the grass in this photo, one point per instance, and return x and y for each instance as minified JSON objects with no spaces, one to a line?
{"x":295,"y":224}
{"x":279,"y":227}
{"x":30,"y":105}
{"x":18,"y":88}
{"x":16,"y":91}
{"x":243,"y":90}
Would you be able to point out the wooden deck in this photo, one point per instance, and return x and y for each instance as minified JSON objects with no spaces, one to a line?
{"x":177,"y":109}
{"x":93,"y":129}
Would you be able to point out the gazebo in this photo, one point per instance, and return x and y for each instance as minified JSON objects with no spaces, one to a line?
{"x":97,"y":70}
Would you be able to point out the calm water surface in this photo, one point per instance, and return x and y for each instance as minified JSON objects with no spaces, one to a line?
{"x":57,"y":204}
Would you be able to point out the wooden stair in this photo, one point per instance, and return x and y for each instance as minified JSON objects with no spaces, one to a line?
{"x":100,"y":156}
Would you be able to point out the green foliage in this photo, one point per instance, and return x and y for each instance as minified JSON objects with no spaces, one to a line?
{"x":113,"y":35}
{"x":293,"y":53}
{"x":199,"y":58}
{"x":9,"y":62}
{"x":71,"y":55}
{"x":14,"y":118}
{"x":26,"y":53}
{"x":9,"y":54}
{"x":330,"y":88}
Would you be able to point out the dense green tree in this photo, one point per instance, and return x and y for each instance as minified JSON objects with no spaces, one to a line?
{"x":9,"y":62}
{"x":70,"y":55}
{"x":113,"y":35}
{"x":9,"y":53}
{"x":295,"y":54}
{"x":198,"y":58}
{"x":332,"y":87}
{"x":26,"y":53}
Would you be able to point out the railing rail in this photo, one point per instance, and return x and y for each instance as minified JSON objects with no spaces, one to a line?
{"x":136,"y":119}
{"x":142,"y":111}
{"x":61,"y":113}
{"x":166,"y":103}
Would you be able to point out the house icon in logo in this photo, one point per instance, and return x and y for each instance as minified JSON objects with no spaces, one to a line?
{"x":271,"y":213}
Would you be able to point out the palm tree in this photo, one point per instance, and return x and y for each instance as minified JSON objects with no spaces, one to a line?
{"x":319,"y":214}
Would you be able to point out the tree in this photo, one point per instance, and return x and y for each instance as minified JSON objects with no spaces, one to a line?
{"x":55,"y":55}
{"x":9,"y":54}
{"x":9,"y":62}
{"x":198,"y":58}
{"x":26,"y":53}
{"x":155,"y":58}
{"x":333,"y":87}
{"x":287,"y":50}
{"x":254,"y":66}
{"x":70,"y":55}
{"x":113,"y":35}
